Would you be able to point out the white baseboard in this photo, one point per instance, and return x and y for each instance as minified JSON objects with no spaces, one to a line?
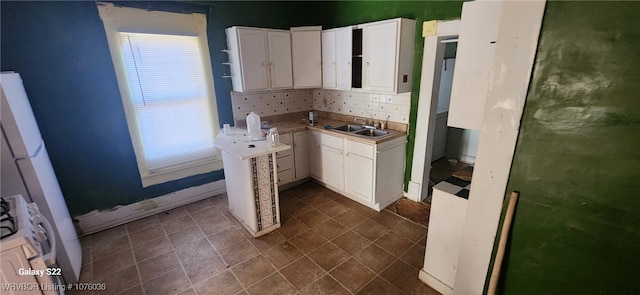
{"x":434,"y":283}
{"x":96,"y":221}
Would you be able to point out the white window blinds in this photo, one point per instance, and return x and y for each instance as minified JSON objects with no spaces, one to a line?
{"x":168,"y":89}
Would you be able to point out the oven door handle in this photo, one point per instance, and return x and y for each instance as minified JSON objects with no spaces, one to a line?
{"x":49,"y":258}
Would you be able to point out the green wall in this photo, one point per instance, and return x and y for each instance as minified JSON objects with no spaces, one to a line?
{"x":577,"y":224}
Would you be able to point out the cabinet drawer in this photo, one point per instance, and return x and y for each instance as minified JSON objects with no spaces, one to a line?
{"x":282,"y":154}
{"x":284,"y":163}
{"x":285,"y":176}
{"x":332,"y":141}
{"x":361,"y":149}
{"x":285,"y":139}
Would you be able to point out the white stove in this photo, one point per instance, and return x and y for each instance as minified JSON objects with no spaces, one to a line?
{"x":27,"y":250}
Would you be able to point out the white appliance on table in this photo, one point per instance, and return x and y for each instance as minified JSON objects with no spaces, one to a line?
{"x":27,"y":170}
{"x":27,"y":250}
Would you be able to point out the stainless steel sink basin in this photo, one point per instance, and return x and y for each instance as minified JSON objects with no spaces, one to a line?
{"x":372,"y":132}
{"x":348,"y":128}
{"x":360,"y":131}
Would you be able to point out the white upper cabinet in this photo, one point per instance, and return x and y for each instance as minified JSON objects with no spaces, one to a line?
{"x":259,"y":59}
{"x":336,"y":58}
{"x":387,"y":54}
{"x":329,"y":63}
{"x":306,"y":56}
{"x":344,"y":39}
{"x":279,"y":50}
{"x":474,"y":57}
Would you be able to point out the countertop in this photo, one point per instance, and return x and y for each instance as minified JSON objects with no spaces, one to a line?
{"x":238,"y":144}
{"x":287,"y":126}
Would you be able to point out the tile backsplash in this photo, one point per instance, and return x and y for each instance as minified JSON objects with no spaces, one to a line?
{"x":392,"y":107}
{"x":269,"y":103}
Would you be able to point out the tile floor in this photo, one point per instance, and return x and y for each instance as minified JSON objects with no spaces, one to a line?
{"x":327,"y":244}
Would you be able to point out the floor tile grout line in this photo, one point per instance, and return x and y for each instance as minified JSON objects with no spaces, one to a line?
{"x":133,"y":256}
{"x":313,"y":208}
{"x":228,"y":265}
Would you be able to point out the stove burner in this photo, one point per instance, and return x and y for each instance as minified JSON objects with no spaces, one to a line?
{"x":7,"y":223}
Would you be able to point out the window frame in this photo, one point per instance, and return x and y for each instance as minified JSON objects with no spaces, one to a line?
{"x":125,"y":19}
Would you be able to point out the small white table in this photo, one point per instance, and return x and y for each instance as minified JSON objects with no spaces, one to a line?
{"x":251,"y":180}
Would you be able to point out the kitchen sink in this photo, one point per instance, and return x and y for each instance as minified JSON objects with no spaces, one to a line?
{"x":348,"y":128}
{"x":359,"y":130}
{"x":371,"y":132}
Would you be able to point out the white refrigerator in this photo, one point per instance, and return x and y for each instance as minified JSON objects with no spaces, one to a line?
{"x":26,"y":169}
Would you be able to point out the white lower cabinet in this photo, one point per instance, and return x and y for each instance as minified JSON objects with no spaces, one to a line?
{"x":333,"y":161}
{"x":370,"y":174}
{"x":359,"y":176}
{"x":315,"y":155}
{"x":284,"y":161}
{"x":301,"y":154}
{"x":293,"y":164}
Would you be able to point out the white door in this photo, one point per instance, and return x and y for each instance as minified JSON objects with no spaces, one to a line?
{"x":379,"y":56}
{"x":476,"y":47}
{"x":315,"y":155}
{"x":279,"y":46}
{"x":359,"y":177}
{"x":301,"y":154}
{"x":307,"y":59}
{"x":253,"y":59}
{"x":329,"y":59}
{"x":343,"y":57}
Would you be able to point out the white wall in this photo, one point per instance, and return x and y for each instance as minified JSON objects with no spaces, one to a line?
{"x":462,"y":144}
{"x":446,"y":80}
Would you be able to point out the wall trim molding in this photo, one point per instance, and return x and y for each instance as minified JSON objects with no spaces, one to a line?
{"x":420,"y":168}
{"x":96,"y":221}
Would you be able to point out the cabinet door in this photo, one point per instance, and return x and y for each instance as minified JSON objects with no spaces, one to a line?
{"x":333,"y":167}
{"x":343,"y":57}
{"x":279,"y":45}
{"x":301,"y":154}
{"x":315,"y":154}
{"x":307,"y":58}
{"x":359,"y":177}
{"x":329,"y":59}
{"x":253,"y":59}
{"x":379,"y":53}
{"x":474,"y":58}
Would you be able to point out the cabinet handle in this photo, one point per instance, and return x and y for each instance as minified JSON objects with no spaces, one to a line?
{"x":367,"y":64}
{"x":348,"y":64}
{"x":264,"y":64}
{"x":334,"y":63}
{"x":348,"y":154}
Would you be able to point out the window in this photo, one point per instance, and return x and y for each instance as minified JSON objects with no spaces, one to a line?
{"x":164,"y":75}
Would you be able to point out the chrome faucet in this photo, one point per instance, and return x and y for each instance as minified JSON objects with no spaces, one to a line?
{"x":365,"y":123}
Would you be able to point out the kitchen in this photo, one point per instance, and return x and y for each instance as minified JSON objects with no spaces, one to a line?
{"x":75,"y":97}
